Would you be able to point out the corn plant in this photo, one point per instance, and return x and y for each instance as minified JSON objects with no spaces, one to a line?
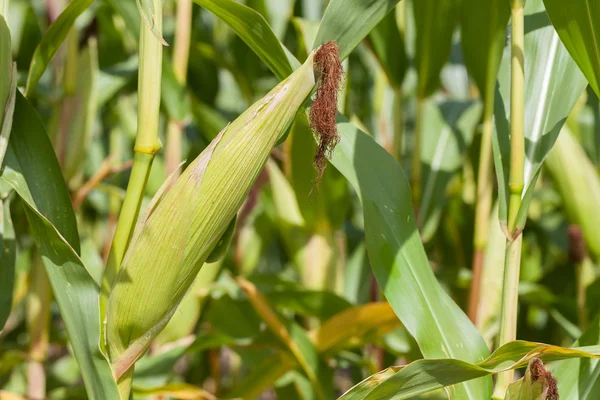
{"x":219,"y":199}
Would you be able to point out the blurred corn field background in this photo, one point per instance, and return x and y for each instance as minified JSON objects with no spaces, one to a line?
{"x":299,"y":199}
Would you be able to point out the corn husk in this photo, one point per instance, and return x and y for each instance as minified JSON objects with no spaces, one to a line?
{"x":184,"y":224}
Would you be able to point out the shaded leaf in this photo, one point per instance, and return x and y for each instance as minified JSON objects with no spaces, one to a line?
{"x":450,"y":125}
{"x":253,"y":29}
{"x":483,"y":32}
{"x":435,"y":21}
{"x":388,"y":45}
{"x":578,"y":378}
{"x":52,"y":40}
{"x":7,"y":262}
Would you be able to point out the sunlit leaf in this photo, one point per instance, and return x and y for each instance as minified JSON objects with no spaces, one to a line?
{"x":254,"y":30}
{"x":548,"y":102}
{"x":423,"y":376}
{"x":399,"y":260}
{"x":36,"y":177}
{"x":578,"y":25}
{"x":348,"y":22}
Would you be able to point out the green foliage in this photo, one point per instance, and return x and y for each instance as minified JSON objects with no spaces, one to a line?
{"x":347,"y":22}
{"x":349,"y":286}
{"x":547,"y":103}
{"x":577,"y":26}
{"x":435,"y":21}
{"x":51,"y":42}
{"x":37,"y":179}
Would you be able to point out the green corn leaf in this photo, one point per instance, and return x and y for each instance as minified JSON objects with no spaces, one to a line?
{"x":326,"y":207}
{"x":399,"y":260}
{"x":52,"y":40}
{"x":36,"y":177}
{"x":435,"y":21}
{"x":294,"y":340}
{"x":578,"y":378}
{"x":578,"y":25}
{"x":574,"y":173}
{"x":8,"y":86}
{"x":175,"y":390}
{"x":348,"y":22}
{"x":7,"y":262}
{"x":423,"y":376}
{"x":253,"y":29}
{"x":83,"y":105}
{"x":388,"y":45}
{"x":548,"y":102}
{"x":335,"y":334}
{"x":483,"y":32}
{"x":307,"y":32}
{"x":450,"y":125}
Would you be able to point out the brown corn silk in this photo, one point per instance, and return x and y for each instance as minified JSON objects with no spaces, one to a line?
{"x":323,"y":111}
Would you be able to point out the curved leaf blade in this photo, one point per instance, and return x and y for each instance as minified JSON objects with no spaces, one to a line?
{"x":450,"y":125}
{"x":423,"y":376}
{"x":548,"y":102}
{"x":578,"y":378}
{"x":399,"y":260}
{"x":347,"y":22}
{"x":8,"y":86}
{"x":483,"y":30}
{"x":33,"y":171}
{"x":52,"y":40}
{"x":8,"y":247}
{"x":253,"y":29}
{"x":578,"y":25}
{"x":387,"y":43}
{"x":435,"y":21}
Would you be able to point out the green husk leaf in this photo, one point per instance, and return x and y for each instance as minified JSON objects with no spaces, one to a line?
{"x":537,"y":384}
{"x":191,"y":218}
{"x":223,"y":244}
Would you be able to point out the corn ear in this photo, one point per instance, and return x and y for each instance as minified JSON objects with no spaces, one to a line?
{"x":186,"y":222}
